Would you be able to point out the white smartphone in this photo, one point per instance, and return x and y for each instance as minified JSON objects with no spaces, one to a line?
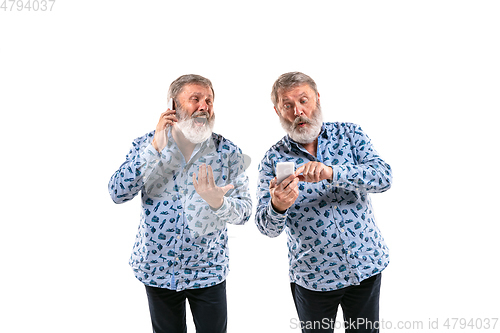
{"x":283,"y":170}
{"x":171,"y":104}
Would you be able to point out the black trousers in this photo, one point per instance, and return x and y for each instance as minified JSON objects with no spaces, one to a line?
{"x":317,"y":310}
{"x":208,"y":307}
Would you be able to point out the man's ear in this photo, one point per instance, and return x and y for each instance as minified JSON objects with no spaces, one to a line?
{"x":318,"y":99}
{"x":276,"y":111}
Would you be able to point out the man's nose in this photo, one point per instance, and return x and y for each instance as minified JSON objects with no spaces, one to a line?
{"x":298,"y":111}
{"x":203,"y":106}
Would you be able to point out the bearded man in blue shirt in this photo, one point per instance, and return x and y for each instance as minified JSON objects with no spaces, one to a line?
{"x":192,"y":183}
{"x":336,"y":251}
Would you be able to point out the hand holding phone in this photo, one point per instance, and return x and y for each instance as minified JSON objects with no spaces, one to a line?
{"x":283,"y":197}
{"x":167,"y":119}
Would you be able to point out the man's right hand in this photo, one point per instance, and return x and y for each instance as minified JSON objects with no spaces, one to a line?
{"x":167,"y":118}
{"x":284,"y":195}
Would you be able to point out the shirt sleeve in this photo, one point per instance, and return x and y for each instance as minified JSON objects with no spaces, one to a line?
{"x":370,"y":173}
{"x":269,"y":222}
{"x":139,"y":168}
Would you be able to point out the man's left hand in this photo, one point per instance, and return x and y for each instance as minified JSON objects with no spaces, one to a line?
{"x":312,"y":172}
{"x":206,"y":188}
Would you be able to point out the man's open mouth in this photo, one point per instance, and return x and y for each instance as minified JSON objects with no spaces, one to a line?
{"x":200,"y":121}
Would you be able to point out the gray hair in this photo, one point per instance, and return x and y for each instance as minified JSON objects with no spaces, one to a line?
{"x":288,"y":81}
{"x":179,"y":83}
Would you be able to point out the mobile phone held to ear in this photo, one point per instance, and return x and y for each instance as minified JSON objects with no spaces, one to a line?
{"x":171,"y":104}
{"x":284,"y":170}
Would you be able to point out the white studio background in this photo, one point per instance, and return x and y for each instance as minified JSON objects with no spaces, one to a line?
{"x":80,"y":82}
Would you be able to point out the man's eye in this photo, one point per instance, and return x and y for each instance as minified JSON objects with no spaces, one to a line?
{"x":286,"y":106}
{"x":304,"y":101}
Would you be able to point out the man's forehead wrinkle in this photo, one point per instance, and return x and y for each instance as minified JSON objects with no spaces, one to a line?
{"x":195,"y":89}
{"x":197,"y":93}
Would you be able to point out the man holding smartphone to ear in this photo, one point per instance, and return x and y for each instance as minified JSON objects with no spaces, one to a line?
{"x":336,"y":250}
{"x":192,"y":182}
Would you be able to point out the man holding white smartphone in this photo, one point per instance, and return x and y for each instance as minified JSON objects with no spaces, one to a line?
{"x":336,"y":250}
{"x":192,"y":182}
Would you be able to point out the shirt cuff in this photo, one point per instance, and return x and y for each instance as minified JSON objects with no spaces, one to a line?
{"x":150,"y":154}
{"x":222,"y":210}
{"x":274,"y":215}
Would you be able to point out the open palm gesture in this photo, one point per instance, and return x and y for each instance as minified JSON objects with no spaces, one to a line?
{"x":206,"y":188}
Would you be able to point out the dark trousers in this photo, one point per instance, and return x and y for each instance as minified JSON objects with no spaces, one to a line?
{"x":317,"y":310}
{"x":208,"y":307}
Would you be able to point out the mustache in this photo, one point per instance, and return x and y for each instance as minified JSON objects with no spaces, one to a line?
{"x":181,"y":115}
{"x":301,"y":119}
{"x":197,"y":114}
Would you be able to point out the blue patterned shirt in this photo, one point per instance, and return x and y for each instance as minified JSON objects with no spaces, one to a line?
{"x":333,"y":241}
{"x":181,"y":242}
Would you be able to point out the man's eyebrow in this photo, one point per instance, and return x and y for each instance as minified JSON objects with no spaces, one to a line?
{"x":301,"y":95}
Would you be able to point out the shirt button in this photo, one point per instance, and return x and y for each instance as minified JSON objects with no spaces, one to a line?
{"x":334,"y":207}
{"x":178,"y":237}
{"x":342,"y":230}
{"x":176,"y":259}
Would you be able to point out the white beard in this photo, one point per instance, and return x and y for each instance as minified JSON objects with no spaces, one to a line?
{"x":194,"y":133}
{"x":307,"y":134}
